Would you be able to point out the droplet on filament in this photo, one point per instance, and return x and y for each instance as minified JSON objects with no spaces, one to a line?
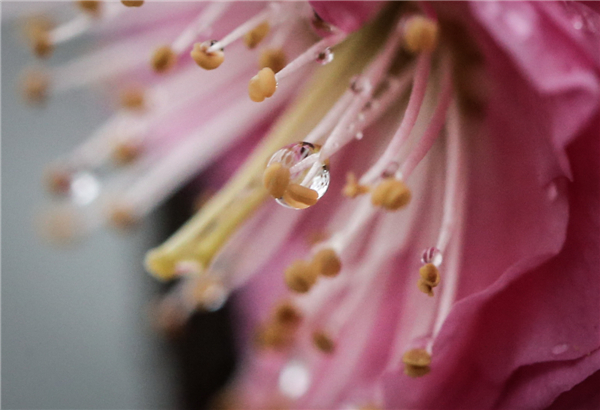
{"x":432,"y":255}
{"x":307,"y":184}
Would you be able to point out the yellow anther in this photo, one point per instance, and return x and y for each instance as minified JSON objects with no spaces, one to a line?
{"x":132,"y":3}
{"x":323,"y":342}
{"x":262,"y":85}
{"x":416,"y":362}
{"x":286,"y":314}
{"x":420,"y":34}
{"x":391,"y":194}
{"x":163,"y":59}
{"x":327,"y":262}
{"x":353,"y":188}
{"x":272,"y":336}
{"x":207,"y":60}
{"x":38,"y":34}
{"x":430,"y":274}
{"x":256,"y":35}
{"x":276,"y":179}
{"x":300,"y":276}
{"x":315,"y":237}
{"x":122,"y":217}
{"x":300,"y":197}
{"x":274,"y":58}
{"x":58,"y":180}
{"x":425,"y":287}
{"x":125,"y":152}
{"x":35,"y":87}
{"x":91,"y":7}
{"x":133,"y":98}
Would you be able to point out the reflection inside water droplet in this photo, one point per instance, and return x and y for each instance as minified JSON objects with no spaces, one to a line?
{"x":299,"y":159}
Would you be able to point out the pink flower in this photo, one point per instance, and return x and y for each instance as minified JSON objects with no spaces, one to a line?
{"x":461,"y":269}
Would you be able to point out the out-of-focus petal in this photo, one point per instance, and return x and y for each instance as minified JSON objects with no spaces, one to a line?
{"x":346,"y":15}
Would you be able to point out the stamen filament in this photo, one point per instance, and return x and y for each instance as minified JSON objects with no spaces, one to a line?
{"x":204,"y":21}
{"x":433,"y":129}
{"x":410,"y":117}
{"x":310,"y":55}
{"x":265,"y":15}
{"x":453,"y":216}
{"x":301,"y":118}
{"x":191,"y":155}
{"x":82,"y":23}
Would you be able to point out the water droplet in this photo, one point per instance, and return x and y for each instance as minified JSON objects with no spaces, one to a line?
{"x":560,"y":349}
{"x":325,"y":56}
{"x":85,"y":187}
{"x":360,"y":117}
{"x":292,"y":157}
{"x":294,"y":379}
{"x":432,"y":255}
{"x":359,"y":135}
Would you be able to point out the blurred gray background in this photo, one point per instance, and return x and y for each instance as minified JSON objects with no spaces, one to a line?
{"x":75,"y":327}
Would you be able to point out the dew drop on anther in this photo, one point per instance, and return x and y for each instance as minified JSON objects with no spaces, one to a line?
{"x":432,"y":255}
{"x":325,"y":56}
{"x":299,"y":158}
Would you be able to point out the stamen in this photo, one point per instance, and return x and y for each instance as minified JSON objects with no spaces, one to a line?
{"x":202,"y":23}
{"x":453,"y":216}
{"x":327,"y":262}
{"x":433,"y":129}
{"x":262,"y":85}
{"x":310,"y":55}
{"x":300,"y":276}
{"x":204,"y":58}
{"x":352,"y":189}
{"x":256,"y":35}
{"x":126,"y":152}
{"x":323,"y":342}
{"x":276,"y":179}
{"x":416,"y":362}
{"x":300,"y":197}
{"x":132,"y":3}
{"x":188,"y":157}
{"x":391,"y":194}
{"x":420,"y":34}
{"x":35,"y":87}
{"x":407,"y":124}
{"x":84,"y":22}
{"x":91,"y":7}
{"x":163,"y":59}
{"x":301,"y":117}
{"x":286,"y":314}
{"x":133,"y":98}
{"x":266,"y":15}
{"x":273,"y":58}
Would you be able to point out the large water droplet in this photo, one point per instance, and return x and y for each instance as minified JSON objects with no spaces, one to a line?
{"x":432,"y":255}
{"x":325,"y":56}
{"x":299,"y":159}
{"x":294,"y":379}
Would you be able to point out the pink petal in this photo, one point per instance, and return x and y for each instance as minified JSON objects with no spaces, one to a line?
{"x":346,"y":15}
